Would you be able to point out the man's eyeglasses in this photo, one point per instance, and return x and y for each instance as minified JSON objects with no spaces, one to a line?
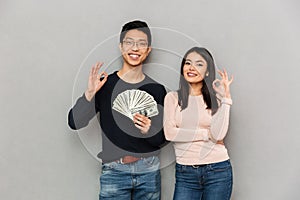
{"x":139,"y":44}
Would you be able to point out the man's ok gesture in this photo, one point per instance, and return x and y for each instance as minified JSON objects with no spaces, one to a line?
{"x":95,"y":84}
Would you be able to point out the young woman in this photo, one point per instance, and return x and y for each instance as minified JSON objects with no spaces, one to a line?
{"x":196,"y":119}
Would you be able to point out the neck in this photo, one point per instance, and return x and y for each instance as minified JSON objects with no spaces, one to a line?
{"x":195,"y":89}
{"x":131,"y":74}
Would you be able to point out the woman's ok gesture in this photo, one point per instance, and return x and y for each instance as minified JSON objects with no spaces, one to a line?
{"x":222,"y":87}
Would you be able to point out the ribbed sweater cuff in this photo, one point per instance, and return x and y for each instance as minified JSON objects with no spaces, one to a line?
{"x":227,"y":101}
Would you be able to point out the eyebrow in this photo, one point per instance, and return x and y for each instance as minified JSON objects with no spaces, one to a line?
{"x":128,"y":38}
{"x":195,"y":61}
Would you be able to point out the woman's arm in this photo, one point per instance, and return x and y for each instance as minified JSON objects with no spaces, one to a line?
{"x":174,"y":133}
{"x":220,"y":120}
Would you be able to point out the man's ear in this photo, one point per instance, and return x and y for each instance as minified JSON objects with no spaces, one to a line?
{"x":120,"y":47}
{"x":149,"y":50}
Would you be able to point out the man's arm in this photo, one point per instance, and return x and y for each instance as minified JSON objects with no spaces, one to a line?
{"x":84,"y":109}
{"x":82,"y":112}
{"x":156,"y":132}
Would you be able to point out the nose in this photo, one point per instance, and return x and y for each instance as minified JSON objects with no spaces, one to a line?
{"x":135,"y":46}
{"x":191,"y":67}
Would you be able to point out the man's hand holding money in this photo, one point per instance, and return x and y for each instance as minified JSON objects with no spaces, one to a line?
{"x":142,"y":122}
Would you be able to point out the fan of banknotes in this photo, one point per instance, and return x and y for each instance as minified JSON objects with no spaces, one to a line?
{"x":135,"y":101}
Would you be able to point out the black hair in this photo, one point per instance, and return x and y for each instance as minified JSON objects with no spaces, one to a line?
{"x":138,"y":25}
{"x":207,"y":90}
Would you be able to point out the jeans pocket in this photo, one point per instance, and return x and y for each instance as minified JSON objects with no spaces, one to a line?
{"x":150,"y":161}
{"x":179,"y":168}
{"x":220,"y":166}
{"x":108,"y":166}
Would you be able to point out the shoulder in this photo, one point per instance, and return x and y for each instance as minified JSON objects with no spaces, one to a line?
{"x":113,"y":76}
{"x":171,"y":96}
{"x":112,"y":79}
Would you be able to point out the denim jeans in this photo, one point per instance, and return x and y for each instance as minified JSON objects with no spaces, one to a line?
{"x":135,"y":181}
{"x":203,"y":182}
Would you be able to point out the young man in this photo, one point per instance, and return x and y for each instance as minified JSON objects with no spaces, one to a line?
{"x":130,"y":106}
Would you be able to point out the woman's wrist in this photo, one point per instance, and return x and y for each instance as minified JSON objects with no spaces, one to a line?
{"x":226,"y":100}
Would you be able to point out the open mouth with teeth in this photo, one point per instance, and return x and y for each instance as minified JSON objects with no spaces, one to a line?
{"x":134,"y":56}
{"x":191,"y":74}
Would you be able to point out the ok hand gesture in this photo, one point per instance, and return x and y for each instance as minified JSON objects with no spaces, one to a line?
{"x":222,"y":86}
{"x":95,"y":84}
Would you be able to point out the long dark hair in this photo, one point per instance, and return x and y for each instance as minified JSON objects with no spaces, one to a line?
{"x":207,"y":90}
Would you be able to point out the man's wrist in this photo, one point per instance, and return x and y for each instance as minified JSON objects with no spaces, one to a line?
{"x":89,"y":95}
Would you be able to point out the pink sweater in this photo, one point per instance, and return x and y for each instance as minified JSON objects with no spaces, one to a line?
{"x":194,"y":131}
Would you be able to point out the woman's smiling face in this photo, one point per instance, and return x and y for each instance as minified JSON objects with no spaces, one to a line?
{"x":194,"y":69}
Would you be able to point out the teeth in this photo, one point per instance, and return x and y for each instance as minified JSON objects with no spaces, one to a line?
{"x":191,"y":74}
{"x":133,"y":56}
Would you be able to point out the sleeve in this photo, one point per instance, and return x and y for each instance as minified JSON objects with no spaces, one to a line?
{"x":82,"y":112}
{"x":172,"y":131}
{"x":157,"y":137}
{"x":220,"y":120}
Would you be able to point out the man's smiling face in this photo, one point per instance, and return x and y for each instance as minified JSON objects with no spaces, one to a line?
{"x":135,"y":48}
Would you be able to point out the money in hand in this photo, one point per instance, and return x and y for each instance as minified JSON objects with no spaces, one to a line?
{"x":135,"y":101}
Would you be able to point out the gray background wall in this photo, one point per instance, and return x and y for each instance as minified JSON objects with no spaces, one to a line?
{"x":47,"y":48}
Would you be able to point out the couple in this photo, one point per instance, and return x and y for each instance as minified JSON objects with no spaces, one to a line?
{"x":195,"y":118}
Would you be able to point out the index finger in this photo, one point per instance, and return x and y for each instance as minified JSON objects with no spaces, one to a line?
{"x":225,"y":74}
{"x":139,"y":115}
{"x":98,"y":65}
{"x":220,"y":72}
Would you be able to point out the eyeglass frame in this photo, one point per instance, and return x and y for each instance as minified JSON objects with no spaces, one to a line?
{"x":135,"y":43}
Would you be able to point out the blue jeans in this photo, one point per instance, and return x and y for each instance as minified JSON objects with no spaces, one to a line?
{"x":135,"y":181}
{"x":203,"y":182}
